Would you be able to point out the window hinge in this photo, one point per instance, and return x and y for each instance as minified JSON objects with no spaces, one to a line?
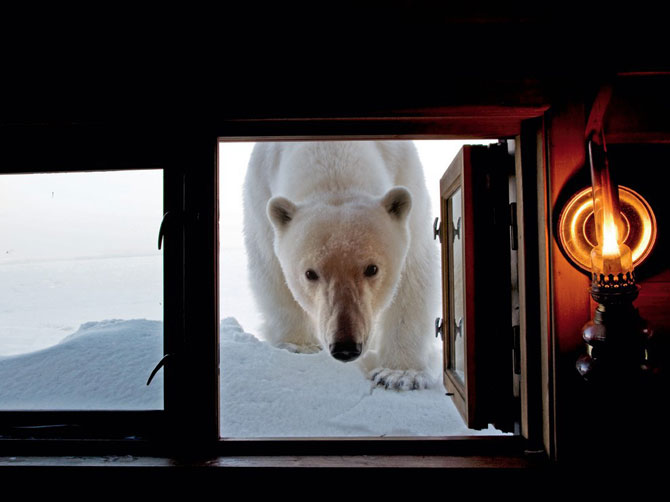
{"x":160,"y":364}
{"x":457,"y":229}
{"x":513,"y":229}
{"x":437,"y":229}
{"x":439,"y":328}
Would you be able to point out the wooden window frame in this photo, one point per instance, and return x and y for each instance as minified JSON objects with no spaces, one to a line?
{"x":451,"y":182}
{"x":488,"y":239}
{"x":76,"y":149}
{"x":189,"y":159}
{"x":412,"y":128}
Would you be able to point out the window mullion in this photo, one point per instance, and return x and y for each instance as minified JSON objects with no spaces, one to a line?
{"x":192,"y":386}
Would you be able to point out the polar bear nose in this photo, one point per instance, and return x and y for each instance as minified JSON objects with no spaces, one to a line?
{"x":345,"y":351}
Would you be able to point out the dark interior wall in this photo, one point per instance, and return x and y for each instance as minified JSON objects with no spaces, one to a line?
{"x":169,"y":64}
{"x":642,"y":168}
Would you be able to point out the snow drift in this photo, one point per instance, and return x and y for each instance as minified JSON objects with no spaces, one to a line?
{"x":265,"y":391}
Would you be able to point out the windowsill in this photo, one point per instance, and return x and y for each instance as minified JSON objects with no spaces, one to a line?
{"x":286,"y":461}
{"x":465,"y":453}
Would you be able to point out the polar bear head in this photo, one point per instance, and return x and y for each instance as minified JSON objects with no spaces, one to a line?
{"x":342,"y":259}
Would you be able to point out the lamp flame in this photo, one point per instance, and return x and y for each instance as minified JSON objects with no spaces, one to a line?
{"x":610,"y":237}
{"x":611,"y":259}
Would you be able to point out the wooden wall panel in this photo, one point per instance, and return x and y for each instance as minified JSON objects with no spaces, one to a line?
{"x":568,"y":287}
{"x":635,"y":165}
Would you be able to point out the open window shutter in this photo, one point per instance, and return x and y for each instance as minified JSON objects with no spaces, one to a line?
{"x":477,"y":278}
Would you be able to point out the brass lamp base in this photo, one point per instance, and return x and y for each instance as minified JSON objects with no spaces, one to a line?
{"x":616,"y":338}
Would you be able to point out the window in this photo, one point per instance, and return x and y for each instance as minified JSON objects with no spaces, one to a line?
{"x":191,"y":416}
{"x":271,"y":392}
{"x":481,"y":308}
{"x":90,"y":304}
{"x":82,"y":291}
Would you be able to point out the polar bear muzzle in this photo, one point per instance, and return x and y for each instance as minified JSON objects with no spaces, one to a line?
{"x":346,"y":325}
{"x":345,"y":351}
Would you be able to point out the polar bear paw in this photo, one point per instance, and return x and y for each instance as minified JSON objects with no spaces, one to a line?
{"x":399,"y":379}
{"x":299,"y":349}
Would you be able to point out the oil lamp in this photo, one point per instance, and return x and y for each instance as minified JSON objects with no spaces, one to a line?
{"x":611,"y":258}
{"x":616,"y":336}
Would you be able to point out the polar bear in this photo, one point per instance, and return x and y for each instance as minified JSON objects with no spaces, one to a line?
{"x":341,"y":254}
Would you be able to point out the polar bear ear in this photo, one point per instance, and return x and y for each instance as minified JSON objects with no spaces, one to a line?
{"x":280,"y":210}
{"x":397,"y":202}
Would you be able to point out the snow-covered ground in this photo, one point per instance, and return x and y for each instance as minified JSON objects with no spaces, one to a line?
{"x":41,"y":302}
{"x":265,"y":391}
{"x":101,"y":366}
{"x":54,"y":363}
{"x":270,"y":392}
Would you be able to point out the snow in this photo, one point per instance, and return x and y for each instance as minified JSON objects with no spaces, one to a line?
{"x":41,"y":302}
{"x":270,"y":392}
{"x":265,"y":391}
{"x":102,"y":366}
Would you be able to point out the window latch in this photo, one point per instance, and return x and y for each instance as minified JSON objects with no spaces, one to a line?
{"x":161,"y":230}
{"x":169,"y":218}
{"x":160,"y":364}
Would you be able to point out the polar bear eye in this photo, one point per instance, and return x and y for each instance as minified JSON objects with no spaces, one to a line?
{"x":311,"y":275}
{"x":370,"y":270}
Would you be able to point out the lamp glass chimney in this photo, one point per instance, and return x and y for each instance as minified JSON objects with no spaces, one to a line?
{"x":611,"y":256}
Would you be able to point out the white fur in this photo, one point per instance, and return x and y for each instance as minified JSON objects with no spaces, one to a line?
{"x":336,"y":207}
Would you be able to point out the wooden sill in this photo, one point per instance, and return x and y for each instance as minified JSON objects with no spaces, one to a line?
{"x":469,"y":454}
{"x":301,"y":476}
{"x":287,"y":461}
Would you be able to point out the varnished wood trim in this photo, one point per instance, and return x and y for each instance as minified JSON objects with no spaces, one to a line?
{"x":529,"y":151}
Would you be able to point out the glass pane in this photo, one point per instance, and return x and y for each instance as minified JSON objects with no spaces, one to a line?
{"x":456,"y":318}
{"x":81,"y":291}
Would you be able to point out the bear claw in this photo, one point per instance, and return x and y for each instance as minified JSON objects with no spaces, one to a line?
{"x":399,"y":379}
{"x":299,"y":349}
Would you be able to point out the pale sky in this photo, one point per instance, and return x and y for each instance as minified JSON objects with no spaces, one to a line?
{"x":80,"y":215}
